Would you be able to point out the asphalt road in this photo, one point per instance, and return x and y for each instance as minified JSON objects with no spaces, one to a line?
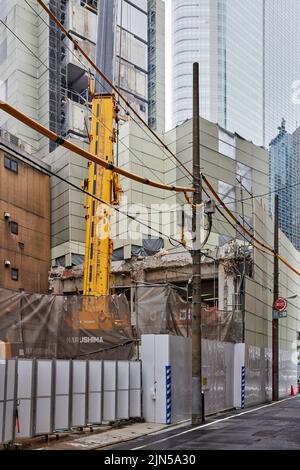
{"x":273,"y":426}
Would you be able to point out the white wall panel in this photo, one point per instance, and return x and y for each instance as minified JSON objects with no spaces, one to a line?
{"x":109,"y":390}
{"x":148,"y":377}
{"x":79,"y":395}
{"x":11,"y":390}
{"x":123,"y":394}
{"x":43,"y":422}
{"x":25,"y":397}
{"x":164,"y":355}
{"x":95,"y":377}
{"x":135,"y":389}
{"x":62,"y":395}
{"x":3,"y":373}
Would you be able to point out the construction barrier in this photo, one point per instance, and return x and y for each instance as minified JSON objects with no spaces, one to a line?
{"x":40,"y":396}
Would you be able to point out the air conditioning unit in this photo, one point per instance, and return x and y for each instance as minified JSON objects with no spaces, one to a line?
{"x":14,"y":140}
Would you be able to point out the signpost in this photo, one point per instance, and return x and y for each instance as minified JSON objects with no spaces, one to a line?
{"x":280,"y":308}
{"x":277,"y":315}
{"x":280,"y":304}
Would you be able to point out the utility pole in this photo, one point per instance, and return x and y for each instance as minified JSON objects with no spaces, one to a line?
{"x":275,"y":322}
{"x":197,"y":401}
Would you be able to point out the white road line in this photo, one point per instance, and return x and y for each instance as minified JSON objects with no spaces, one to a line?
{"x":211,"y":423}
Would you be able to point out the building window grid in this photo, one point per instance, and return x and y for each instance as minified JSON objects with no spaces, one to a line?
{"x":14,"y":274}
{"x":14,"y":228}
{"x":10,"y":164}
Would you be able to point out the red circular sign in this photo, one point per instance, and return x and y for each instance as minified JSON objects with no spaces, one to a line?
{"x":280,"y":304}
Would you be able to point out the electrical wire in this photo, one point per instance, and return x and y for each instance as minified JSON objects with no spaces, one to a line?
{"x":111,"y":85}
{"x":84,"y":153}
{"x":24,"y":44}
{"x":118,"y":170}
{"x":263,"y":245}
{"x":21,"y":41}
{"x":151,"y":130}
{"x":170,"y":143}
{"x":135,"y":219}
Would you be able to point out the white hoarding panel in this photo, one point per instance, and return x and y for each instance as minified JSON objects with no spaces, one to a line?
{"x":238,"y":369}
{"x":44,"y":397}
{"x":10,"y":402}
{"x":135,"y":389}
{"x":95,"y":392}
{"x":25,"y":398}
{"x":123,"y":390}
{"x":62,"y":395}
{"x":162,"y":361}
{"x":148,"y":377}
{"x":3,"y":373}
{"x":181,"y":378}
{"x":79,"y":395}
{"x":166,"y":378}
{"x":109,"y":390}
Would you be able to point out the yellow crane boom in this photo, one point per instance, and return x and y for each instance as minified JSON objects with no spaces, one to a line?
{"x":101,"y":183}
{"x":105,"y":185}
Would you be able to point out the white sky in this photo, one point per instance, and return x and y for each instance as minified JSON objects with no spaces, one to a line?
{"x":168,"y":66}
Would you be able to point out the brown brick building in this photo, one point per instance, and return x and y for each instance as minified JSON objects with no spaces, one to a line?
{"x":24,"y":218}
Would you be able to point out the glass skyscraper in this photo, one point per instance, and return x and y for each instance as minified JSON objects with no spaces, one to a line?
{"x":282,"y":65}
{"x":247,"y":53}
{"x":284,"y":178}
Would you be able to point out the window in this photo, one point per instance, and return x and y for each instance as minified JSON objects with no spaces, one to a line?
{"x":244,"y":175}
{"x":3,"y":51}
{"x":227,"y":194}
{"x":11,"y":164}
{"x":14,"y":228}
{"x":3,"y":9}
{"x":227,"y":144}
{"x":3,"y":90}
{"x":14,"y":274}
{"x":61,"y":261}
{"x":77,"y":259}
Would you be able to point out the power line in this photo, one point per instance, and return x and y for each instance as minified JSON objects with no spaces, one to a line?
{"x":135,"y":219}
{"x":61,"y":141}
{"x":132,"y":109}
{"x":130,"y":150}
{"x":103,"y":76}
{"x":24,"y":44}
{"x":78,"y":94}
{"x":68,"y":89}
{"x":266,"y":247}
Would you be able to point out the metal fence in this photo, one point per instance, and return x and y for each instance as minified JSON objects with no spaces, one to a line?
{"x":42,"y":396}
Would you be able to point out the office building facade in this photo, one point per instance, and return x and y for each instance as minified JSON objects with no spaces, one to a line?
{"x":25,"y":217}
{"x":284,"y":179}
{"x":248,"y":71}
{"x":54,"y":89}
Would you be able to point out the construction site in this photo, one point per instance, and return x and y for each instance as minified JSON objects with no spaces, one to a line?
{"x":141,"y":269}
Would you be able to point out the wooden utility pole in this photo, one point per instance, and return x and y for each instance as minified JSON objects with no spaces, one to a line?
{"x":197,"y":408}
{"x":275,"y":322}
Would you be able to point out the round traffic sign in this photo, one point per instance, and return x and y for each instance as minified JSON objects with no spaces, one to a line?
{"x":280,"y":304}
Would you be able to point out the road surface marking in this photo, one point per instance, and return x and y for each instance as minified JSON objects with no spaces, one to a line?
{"x":213,"y":422}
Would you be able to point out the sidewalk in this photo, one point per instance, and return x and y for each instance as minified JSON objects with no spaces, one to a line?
{"x":109,"y":437}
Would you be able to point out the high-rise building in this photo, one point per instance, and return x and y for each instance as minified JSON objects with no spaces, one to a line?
{"x":248,"y":69}
{"x":284,"y":177}
{"x":282,"y":69}
{"x":47,"y":89}
{"x":50,"y":84}
{"x":156,"y":64}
